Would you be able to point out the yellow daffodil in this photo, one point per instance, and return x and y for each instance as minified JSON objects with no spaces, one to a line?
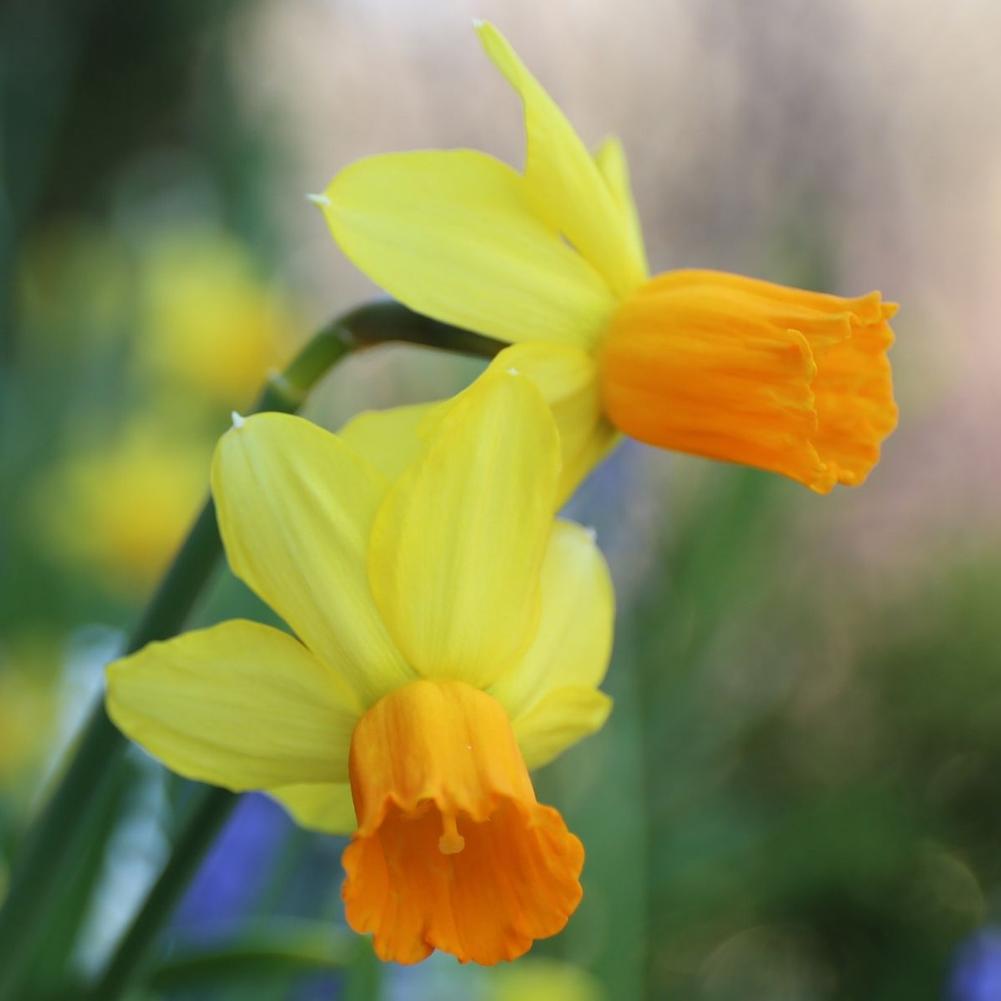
{"x":208,"y":319}
{"x":450,"y":635}
{"x":552,"y":259}
{"x":543,"y":980}
{"x":27,"y":711}
{"x":123,"y":508}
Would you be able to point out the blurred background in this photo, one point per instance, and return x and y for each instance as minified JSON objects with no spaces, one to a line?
{"x":797,"y":797}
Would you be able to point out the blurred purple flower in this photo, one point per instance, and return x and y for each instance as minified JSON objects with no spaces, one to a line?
{"x":976,"y":971}
{"x":236,"y":869}
{"x":608,"y":499}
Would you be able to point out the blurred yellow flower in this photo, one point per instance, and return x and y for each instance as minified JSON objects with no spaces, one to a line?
{"x":27,"y":723}
{"x":450,"y":637}
{"x":207,"y":319}
{"x":123,"y":508}
{"x":201,"y":315}
{"x":543,"y":980}
{"x":26,"y":717}
{"x":552,"y":259}
{"x":206,"y":329}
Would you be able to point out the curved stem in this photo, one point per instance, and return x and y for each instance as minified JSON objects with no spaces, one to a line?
{"x":281,"y":948}
{"x":209,"y":813}
{"x":50,"y":847}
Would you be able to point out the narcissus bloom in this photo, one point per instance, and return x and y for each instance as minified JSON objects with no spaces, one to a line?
{"x":135,"y":495}
{"x":552,"y":259}
{"x":542,"y":980}
{"x":27,"y":716}
{"x":450,"y":636}
{"x":209,"y":321}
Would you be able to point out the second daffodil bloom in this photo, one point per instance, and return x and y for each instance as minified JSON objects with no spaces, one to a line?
{"x":552,"y":260}
{"x":449,"y":635}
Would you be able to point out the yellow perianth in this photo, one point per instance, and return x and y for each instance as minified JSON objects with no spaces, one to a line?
{"x":746,"y":371}
{"x":452,"y":851}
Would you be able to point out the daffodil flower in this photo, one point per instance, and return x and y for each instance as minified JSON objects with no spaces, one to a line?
{"x":542,"y":980}
{"x":552,"y":260}
{"x":208,"y":320}
{"x":449,"y":635}
{"x":133,"y":528}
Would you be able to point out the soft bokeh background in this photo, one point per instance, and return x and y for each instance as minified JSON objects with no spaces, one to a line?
{"x":797,"y":797}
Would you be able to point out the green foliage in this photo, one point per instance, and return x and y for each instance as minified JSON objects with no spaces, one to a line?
{"x":796,"y":796}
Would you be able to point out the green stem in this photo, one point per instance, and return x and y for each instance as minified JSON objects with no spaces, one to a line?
{"x":364,"y":974}
{"x":133,"y":952}
{"x":51,"y":847}
{"x":278,"y":951}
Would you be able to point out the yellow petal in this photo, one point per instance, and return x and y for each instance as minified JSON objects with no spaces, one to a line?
{"x":391,"y":439}
{"x":566,"y":187}
{"x":327,"y":808}
{"x":567,"y":377}
{"x":295,"y":508}
{"x":452,"y":235}
{"x":458,"y":544}
{"x":573,"y":642}
{"x":239,"y":705}
{"x":544,"y":979}
{"x":611,"y":160}
{"x":561,"y":718}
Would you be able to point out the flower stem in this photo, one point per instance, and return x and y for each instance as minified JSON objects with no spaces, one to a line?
{"x":364,"y":974}
{"x":283,"y":948}
{"x":208,"y":814}
{"x":50,"y":848}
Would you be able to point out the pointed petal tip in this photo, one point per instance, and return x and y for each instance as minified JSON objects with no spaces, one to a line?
{"x":238,"y":419}
{"x":322,"y":200}
{"x":489,"y":34}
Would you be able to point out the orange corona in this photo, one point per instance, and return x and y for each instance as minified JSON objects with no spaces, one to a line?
{"x":452,"y":850}
{"x":747,"y":371}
